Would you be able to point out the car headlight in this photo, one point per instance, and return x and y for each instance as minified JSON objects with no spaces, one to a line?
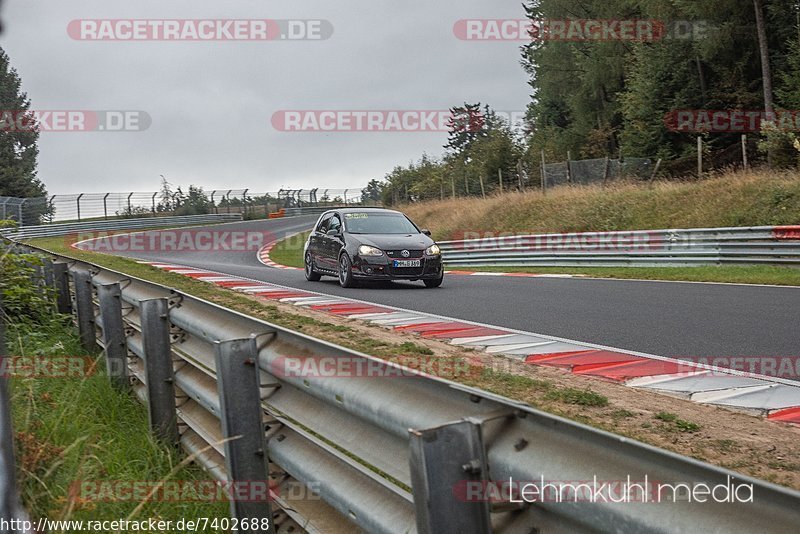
{"x":366,"y":250}
{"x":433,"y":250}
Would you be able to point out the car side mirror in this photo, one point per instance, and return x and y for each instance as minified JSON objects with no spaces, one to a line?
{"x":333,"y":231}
{"x":426,"y":232}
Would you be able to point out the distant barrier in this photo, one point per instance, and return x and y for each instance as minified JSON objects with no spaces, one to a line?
{"x":49,"y":230}
{"x":760,"y":245}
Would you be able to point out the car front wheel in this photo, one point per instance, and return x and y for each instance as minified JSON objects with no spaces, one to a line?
{"x":434,"y":283}
{"x":345,"y":271}
{"x":311,"y":274}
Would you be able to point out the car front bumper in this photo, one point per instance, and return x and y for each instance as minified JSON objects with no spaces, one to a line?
{"x":382,"y":268}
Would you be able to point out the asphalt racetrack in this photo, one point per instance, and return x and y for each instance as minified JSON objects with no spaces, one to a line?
{"x":663,"y":318}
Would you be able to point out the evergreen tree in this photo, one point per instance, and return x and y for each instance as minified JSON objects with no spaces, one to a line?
{"x":18,"y":137}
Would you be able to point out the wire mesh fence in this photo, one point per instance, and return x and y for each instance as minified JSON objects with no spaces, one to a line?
{"x":131,"y":204}
{"x":593,"y":171}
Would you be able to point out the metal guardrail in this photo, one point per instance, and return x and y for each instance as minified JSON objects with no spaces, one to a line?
{"x":774,"y":245}
{"x":51,"y":230}
{"x":386,"y":454}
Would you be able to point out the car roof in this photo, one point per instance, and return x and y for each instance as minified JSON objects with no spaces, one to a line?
{"x":360,"y":210}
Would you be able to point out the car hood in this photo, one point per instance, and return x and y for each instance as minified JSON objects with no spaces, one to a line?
{"x":394,"y":241}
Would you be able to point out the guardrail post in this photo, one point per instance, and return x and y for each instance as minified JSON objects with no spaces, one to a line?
{"x":239,"y":390}
{"x":110,"y":297}
{"x":84,"y":308}
{"x":63,"y":299}
{"x":47,"y":266}
{"x":446,"y":462}
{"x":159,"y":373}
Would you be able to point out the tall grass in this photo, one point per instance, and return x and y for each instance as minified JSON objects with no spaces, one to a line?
{"x":752,"y":198}
{"x":80,"y":429}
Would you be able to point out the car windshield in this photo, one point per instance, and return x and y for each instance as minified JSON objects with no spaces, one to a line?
{"x":378,"y":223}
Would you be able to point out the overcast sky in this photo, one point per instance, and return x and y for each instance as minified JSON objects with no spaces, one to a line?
{"x":211,"y":102}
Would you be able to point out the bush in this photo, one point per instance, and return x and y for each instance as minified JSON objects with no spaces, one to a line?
{"x":23,"y":300}
{"x":782,"y":146}
{"x":7,"y":223}
{"x":135,"y":212}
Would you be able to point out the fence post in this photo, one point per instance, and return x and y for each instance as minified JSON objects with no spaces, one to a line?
{"x":21,"y":213}
{"x":159,"y":373}
{"x":699,"y":157}
{"x":569,"y":167}
{"x":444,"y":461}
{"x":116,"y":352}
{"x":744,"y":151}
{"x":105,"y":206}
{"x":153,"y":203}
{"x":63,"y":298}
{"x":239,"y":390}
{"x":5,"y":201}
{"x":606,"y":170}
{"x":500,"y":176}
{"x":78,"y":201}
{"x":544,"y":176}
{"x":84,"y":308}
{"x":655,"y":171}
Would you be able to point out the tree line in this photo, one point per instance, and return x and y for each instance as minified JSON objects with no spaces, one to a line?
{"x":596,"y":98}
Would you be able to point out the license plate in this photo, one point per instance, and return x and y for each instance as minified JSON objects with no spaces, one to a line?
{"x":407,"y":263}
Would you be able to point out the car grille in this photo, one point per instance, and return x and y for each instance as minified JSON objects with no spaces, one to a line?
{"x":408,"y":271}
{"x":398,"y":254}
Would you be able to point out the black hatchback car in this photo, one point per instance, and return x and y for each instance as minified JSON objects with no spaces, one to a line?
{"x":371,"y":244}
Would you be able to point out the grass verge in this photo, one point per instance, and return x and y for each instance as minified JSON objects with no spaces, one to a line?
{"x":751,"y":274}
{"x":289,"y":251}
{"x":77,"y":429}
{"x":752,"y":198}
